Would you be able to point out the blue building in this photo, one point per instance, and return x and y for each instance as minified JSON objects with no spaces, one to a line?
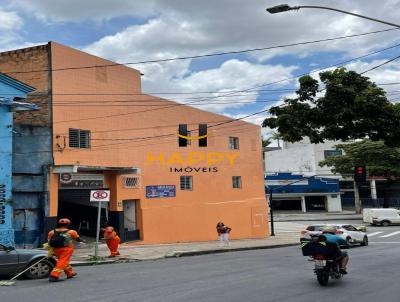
{"x":11,"y":92}
{"x":299,"y":192}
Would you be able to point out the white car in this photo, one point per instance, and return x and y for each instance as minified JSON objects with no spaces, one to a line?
{"x":348,"y":232}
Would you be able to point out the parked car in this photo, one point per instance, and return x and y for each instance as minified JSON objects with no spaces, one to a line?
{"x":14,"y":261}
{"x":383,"y":217}
{"x":352,"y":235}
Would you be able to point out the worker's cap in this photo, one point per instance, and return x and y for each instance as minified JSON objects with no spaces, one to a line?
{"x":109,"y":229}
{"x":64,"y":221}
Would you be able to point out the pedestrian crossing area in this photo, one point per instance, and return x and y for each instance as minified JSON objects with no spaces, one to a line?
{"x":383,"y":235}
{"x":391,"y":233}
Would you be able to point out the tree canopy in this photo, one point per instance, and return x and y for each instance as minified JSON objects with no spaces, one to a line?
{"x":380,"y":159}
{"x":352,"y":107}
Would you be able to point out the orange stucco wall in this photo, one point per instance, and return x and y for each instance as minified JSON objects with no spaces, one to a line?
{"x":125,"y":136}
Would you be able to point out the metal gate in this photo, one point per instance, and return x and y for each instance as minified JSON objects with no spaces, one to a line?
{"x":27,"y":227}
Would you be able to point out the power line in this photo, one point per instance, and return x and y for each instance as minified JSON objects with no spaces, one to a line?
{"x":145,"y":139}
{"x":228,"y":94}
{"x":208,"y":55}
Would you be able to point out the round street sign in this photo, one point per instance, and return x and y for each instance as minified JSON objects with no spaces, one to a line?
{"x":99,"y":195}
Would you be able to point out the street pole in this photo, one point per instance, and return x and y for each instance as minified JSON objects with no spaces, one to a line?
{"x":271,"y":209}
{"x":284,"y":8}
{"x":96,"y":249}
{"x":271,"y":212}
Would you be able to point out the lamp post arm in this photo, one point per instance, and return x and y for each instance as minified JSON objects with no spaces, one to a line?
{"x":345,"y":12}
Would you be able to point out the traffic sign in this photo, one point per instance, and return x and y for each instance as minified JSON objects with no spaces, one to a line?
{"x":100,"y":195}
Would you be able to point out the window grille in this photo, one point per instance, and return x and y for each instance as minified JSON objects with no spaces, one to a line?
{"x":236,"y":182}
{"x":132,"y":182}
{"x":79,"y":138}
{"x":233,"y":143}
{"x":187,"y":183}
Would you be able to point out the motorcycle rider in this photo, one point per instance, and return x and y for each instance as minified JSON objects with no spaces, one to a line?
{"x":329,"y":235}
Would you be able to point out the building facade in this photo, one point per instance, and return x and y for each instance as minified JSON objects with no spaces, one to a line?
{"x":302,"y":159}
{"x":11,"y":92}
{"x":173,"y":171}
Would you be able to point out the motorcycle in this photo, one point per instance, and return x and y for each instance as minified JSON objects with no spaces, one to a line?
{"x":326,"y":268}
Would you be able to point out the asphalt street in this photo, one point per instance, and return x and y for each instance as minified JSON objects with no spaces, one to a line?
{"x":281,"y":274}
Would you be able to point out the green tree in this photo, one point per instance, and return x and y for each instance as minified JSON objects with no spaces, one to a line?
{"x":352,"y":107}
{"x":380,"y":159}
{"x":266,"y":142}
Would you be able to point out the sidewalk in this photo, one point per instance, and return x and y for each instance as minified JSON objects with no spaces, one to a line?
{"x":129,"y":252}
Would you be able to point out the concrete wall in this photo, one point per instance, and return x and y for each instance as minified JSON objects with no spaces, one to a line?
{"x":300,"y":157}
{"x":31,"y":159}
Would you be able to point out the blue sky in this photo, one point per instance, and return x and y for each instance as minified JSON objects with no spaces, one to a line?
{"x":131,"y":31}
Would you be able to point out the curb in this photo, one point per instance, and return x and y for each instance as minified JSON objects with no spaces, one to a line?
{"x":183,"y":254}
{"x":219,"y":251}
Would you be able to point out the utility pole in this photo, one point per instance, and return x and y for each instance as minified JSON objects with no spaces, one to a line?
{"x":357,"y":201}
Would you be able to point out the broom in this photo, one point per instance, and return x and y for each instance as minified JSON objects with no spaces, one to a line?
{"x":12,"y":280}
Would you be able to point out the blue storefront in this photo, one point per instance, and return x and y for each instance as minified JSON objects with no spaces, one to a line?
{"x":305,"y":193}
{"x":11,"y":92}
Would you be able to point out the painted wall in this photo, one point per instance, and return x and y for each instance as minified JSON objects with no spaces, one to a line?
{"x":300,"y":157}
{"x":6,"y":231}
{"x":163,"y":219}
{"x":81,"y":98}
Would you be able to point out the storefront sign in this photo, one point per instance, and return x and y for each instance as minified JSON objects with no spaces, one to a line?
{"x":81,"y":181}
{"x":162,"y":191}
{"x":99,"y":195}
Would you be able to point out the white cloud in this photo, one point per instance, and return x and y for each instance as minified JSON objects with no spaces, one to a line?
{"x":232,"y":75}
{"x":10,"y":27}
{"x":83,"y":10}
{"x":9,"y":20}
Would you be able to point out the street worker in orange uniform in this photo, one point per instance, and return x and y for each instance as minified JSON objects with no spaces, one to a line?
{"x":112,"y":241}
{"x":61,"y":241}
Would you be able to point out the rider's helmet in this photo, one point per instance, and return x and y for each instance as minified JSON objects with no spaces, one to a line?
{"x":64,"y":222}
{"x":329,"y":230}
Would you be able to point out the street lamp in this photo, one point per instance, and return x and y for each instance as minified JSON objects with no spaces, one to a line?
{"x":284,"y":8}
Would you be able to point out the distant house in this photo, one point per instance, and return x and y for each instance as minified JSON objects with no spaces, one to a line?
{"x":301,"y":159}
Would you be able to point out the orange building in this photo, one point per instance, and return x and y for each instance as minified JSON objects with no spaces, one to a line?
{"x":107,"y":134}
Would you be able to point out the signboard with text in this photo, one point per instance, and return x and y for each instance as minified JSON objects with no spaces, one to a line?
{"x":160,"y":191}
{"x":81,"y":181}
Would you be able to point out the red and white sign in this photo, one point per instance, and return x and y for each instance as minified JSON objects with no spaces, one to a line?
{"x":100,"y":195}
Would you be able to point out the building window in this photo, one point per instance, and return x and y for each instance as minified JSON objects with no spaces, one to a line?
{"x":79,"y":138}
{"x":189,"y":141}
{"x":233,"y":143}
{"x":131,"y":182}
{"x":187,"y":183}
{"x":236,"y":182}
{"x":331,"y":153}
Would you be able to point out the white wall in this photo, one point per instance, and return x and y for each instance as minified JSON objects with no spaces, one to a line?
{"x":300,"y":157}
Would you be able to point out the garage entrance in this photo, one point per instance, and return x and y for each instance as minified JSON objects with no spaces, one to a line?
{"x":75,"y":205}
{"x":287,"y":205}
{"x":315,"y":203}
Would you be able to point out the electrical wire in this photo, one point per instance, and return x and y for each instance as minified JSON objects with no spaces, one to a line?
{"x":207,"y":55}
